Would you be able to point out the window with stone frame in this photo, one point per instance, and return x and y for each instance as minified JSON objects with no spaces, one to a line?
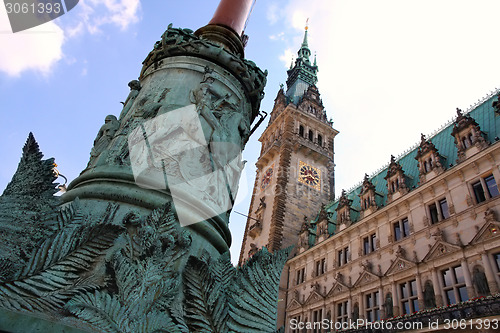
{"x":301,"y":131}
{"x":343,"y":256}
{"x":394,"y":185}
{"x":485,"y":188}
{"x":320,"y":140}
{"x":438,"y":210}
{"x":372,"y":306}
{"x":341,"y":310}
{"x":369,"y":243}
{"x":466,"y":140}
{"x":300,"y":275}
{"x":311,"y":135}
{"x":454,"y":285}
{"x":317,"y":317}
{"x":408,"y":297}
{"x":401,"y":229}
{"x":496,"y":256}
{"x":320,"y":267}
{"x":295,"y":319}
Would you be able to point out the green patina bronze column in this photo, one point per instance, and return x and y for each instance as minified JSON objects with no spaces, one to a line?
{"x":139,"y":242}
{"x":182,"y":129}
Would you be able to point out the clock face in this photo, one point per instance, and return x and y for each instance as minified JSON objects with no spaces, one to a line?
{"x":309,"y":175}
{"x":266,"y":179}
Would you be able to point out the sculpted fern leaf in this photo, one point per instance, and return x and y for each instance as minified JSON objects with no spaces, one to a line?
{"x":254,"y":293}
{"x":53,"y":275}
{"x":158,"y":322}
{"x":223,"y":270}
{"x":71,"y":214}
{"x":144,"y":281}
{"x":99,"y":309}
{"x":178,"y":314}
{"x":206,"y":309}
{"x":126,"y":276}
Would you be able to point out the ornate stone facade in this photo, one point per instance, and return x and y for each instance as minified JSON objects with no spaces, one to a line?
{"x":295,"y":168}
{"x":434,"y":241}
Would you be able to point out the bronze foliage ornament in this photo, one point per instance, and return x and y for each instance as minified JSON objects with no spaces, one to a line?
{"x":137,"y":276}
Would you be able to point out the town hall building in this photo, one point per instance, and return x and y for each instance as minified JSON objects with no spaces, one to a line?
{"x":417,"y":242}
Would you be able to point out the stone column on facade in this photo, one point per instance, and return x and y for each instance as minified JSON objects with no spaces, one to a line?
{"x":349,"y":307}
{"x":381,"y":302}
{"x":362,"y":306}
{"x":395,"y":300}
{"x":420,"y":292}
{"x":490,"y":275}
{"x":436,"y":281}
{"x":471,"y":292}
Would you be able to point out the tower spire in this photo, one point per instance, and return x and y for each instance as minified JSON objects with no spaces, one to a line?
{"x":304,"y":51}
{"x":302,"y":75}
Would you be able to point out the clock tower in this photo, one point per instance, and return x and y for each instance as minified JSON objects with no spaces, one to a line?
{"x":295,"y":170}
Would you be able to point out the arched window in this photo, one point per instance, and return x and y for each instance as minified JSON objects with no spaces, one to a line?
{"x":310,"y":135}
{"x":301,"y":130}
{"x":320,"y":140}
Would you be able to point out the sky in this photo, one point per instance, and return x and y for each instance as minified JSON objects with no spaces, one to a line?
{"x":388,"y":71}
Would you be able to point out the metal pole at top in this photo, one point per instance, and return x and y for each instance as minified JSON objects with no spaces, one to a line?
{"x":227,"y":24}
{"x":232,"y":14}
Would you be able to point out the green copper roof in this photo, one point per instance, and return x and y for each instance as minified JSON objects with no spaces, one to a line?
{"x":303,"y":74}
{"x":483,"y":114}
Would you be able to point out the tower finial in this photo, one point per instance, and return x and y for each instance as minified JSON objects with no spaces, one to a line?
{"x":304,"y":51}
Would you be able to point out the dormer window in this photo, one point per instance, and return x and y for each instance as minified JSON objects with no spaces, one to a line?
{"x":367,"y":197}
{"x":429,"y":160}
{"x":468,"y":136}
{"x":344,"y":209}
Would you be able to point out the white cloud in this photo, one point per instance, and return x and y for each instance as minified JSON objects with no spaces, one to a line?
{"x":287,"y":57}
{"x":273,"y":13}
{"x":278,"y":36}
{"x":94,"y":14}
{"x":38,"y":48}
